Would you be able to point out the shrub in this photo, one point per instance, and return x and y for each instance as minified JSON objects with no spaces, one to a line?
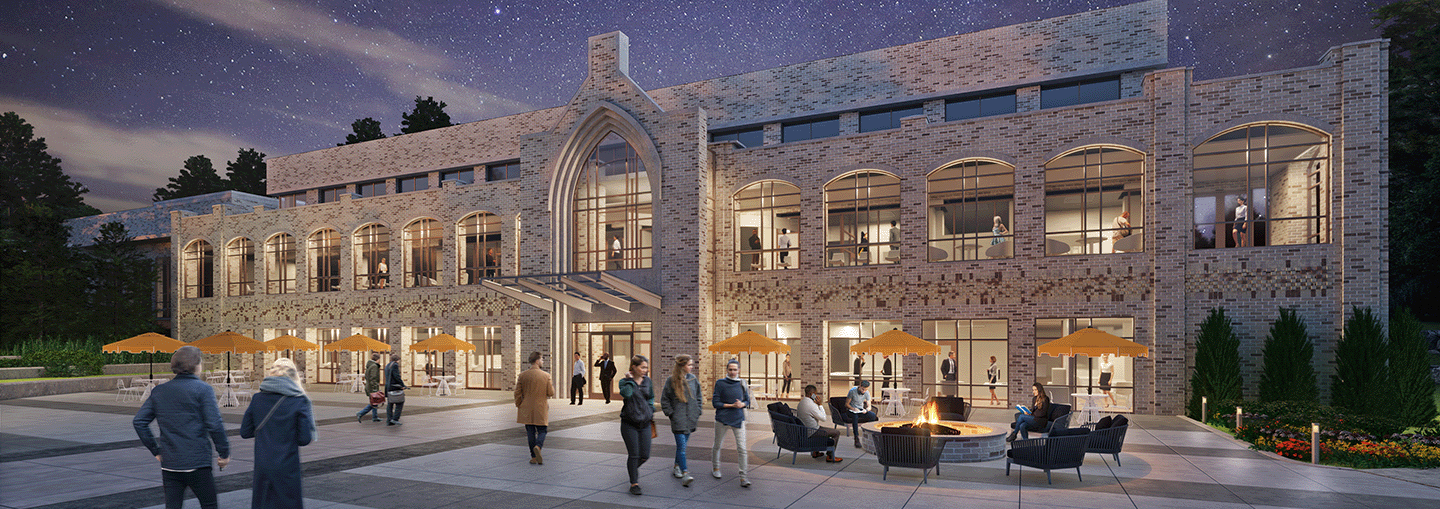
{"x":66,"y":363}
{"x":1361,"y":384}
{"x":1413,"y":402}
{"x":1287,"y":373}
{"x":1217,"y":363}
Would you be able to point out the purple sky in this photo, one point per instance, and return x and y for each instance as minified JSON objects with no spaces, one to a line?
{"x":125,"y":90}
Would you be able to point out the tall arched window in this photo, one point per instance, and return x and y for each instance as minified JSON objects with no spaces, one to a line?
{"x":1261,"y":185}
{"x":199,"y":268}
{"x":970,"y":207}
{"x":324,"y":249}
{"x":767,"y":226}
{"x":613,"y":214}
{"x":372,"y":256}
{"x":1093,"y":201}
{"x":479,"y":235}
{"x":240,"y":266}
{"x":280,"y":264}
{"x":862,"y":219}
{"x":424,"y":242}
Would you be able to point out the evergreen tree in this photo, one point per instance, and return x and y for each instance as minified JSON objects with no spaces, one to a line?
{"x":1217,"y":363}
{"x":428,"y":114}
{"x":30,"y":175}
{"x":1413,"y":403}
{"x":196,"y":178}
{"x":1360,"y":384}
{"x":1413,"y":27}
{"x":247,"y":172}
{"x":365,"y":129}
{"x":121,"y":284}
{"x":1288,"y":374}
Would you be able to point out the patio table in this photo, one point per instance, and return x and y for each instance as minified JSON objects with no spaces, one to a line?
{"x":1089,"y":406}
{"x":895,"y":400}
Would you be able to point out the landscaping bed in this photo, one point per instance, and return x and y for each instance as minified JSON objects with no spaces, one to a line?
{"x":1345,"y":440}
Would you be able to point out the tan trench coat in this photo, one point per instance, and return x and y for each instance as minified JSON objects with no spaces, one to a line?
{"x":531,"y":407}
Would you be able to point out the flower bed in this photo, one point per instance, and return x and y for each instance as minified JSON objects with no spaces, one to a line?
{"x":1351,"y":441}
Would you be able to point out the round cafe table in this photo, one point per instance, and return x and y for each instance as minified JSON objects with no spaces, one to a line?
{"x":895,"y":400}
{"x":1088,"y":406}
{"x":444,"y":382}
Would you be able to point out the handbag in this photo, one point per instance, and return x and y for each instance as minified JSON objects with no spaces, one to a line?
{"x":396,"y":396}
{"x":377,"y":398}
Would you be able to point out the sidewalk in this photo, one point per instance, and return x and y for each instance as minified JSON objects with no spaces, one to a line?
{"x":79,"y":450}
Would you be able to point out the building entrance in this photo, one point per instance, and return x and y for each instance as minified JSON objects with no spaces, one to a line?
{"x":620,"y":340}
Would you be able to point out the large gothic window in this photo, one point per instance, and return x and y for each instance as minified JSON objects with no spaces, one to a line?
{"x":1093,"y":201}
{"x":372,"y":257}
{"x":862,"y":219}
{"x":199,"y":270}
{"x":970,"y":209}
{"x":324,"y":249}
{"x":280,"y":264}
{"x":1261,"y":185}
{"x":479,"y":235}
{"x":767,"y":226}
{"x":613,"y":214}
{"x":240,"y":266}
{"x":424,"y":244}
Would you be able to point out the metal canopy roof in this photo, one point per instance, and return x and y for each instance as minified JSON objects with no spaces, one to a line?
{"x":579,"y":290}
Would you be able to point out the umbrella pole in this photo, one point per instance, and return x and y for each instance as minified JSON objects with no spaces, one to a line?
{"x":151,"y":364}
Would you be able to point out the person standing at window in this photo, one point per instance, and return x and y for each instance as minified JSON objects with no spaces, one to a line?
{"x":615,"y":248}
{"x":783,"y":243}
{"x":998,"y":231}
{"x":1107,"y":371}
{"x":886,"y":370}
{"x":1242,"y":214}
{"x":949,"y":372}
{"x":859,"y":367}
{"x":637,"y":418}
{"x":785,"y":370}
{"x":382,"y":274}
{"x":492,"y":263}
{"x":755,"y":245}
{"x":190,"y":425}
{"x":863,"y":253}
{"x":577,"y":382}
{"x":992,"y":376}
{"x":532,"y":406}
{"x":894,"y":236}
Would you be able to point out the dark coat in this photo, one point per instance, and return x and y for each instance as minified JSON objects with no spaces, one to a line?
{"x":639,"y":399}
{"x":189,"y":424}
{"x":277,"y":447}
{"x":392,"y":378}
{"x":684,"y":415}
{"x":607,"y":369}
{"x":372,"y":377}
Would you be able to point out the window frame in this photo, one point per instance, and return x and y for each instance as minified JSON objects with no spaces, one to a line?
{"x":276,"y":247}
{"x":510,"y":169}
{"x":240,"y":253}
{"x":368,"y":241}
{"x":968,"y":245}
{"x":889,"y":117}
{"x":738,"y":135}
{"x":1094,"y":184}
{"x":862,"y":200}
{"x":323,"y":254}
{"x":808,"y":131}
{"x":767,"y":205}
{"x":594,"y":237}
{"x":198,"y":269}
{"x":1259,"y":187}
{"x":423,"y":235}
{"x":419,"y":182}
{"x":474,"y":238}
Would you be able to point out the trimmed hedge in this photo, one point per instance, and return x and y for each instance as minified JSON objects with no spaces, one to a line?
{"x":67,"y":363}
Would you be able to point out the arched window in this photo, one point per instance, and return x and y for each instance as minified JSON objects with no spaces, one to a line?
{"x":240,"y":266}
{"x":424,"y":243}
{"x":199,"y":270}
{"x":862,"y":219}
{"x":970,"y":210}
{"x":613,"y":214}
{"x":479,"y":237}
{"x":767,"y":226}
{"x":324,"y":249}
{"x":1093,"y":201}
{"x":1261,"y":185}
{"x":280,"y":264}
{"x":372,"y":256}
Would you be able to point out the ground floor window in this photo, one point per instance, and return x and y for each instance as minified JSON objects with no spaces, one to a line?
{"x":1082,"y":374}
{"x":621,"y":340}
{"x":320,"y":366}
{"x":423,"y":365}
{"x":483,"y":364}
{"x":847,"y":369}
{"x":766,"y":372}
{"x":971,"y":363}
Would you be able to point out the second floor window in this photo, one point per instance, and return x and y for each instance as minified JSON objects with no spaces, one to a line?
{"x":1261,"y":185}
{"x":280,"y":264}
{"x":324,"y":266}
{"x":479,"y":240}
{"x":862,"y":214}
{"x":424,"y":243}
{"x":1093,"y":201}
{"x":970,"y":207}
{"x":613,"y":213}
{"x":372,"y":257}
{"x":199,"y":270}
{"x":767,"y":226}
{"x":240,"y":266}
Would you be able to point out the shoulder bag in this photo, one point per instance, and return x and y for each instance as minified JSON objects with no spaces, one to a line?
{"x":395,"y":396}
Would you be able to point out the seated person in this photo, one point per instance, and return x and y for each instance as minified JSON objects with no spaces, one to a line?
{"x":1038,"y":417}
{"x":811,"y":414}
{"x":859,"y":407}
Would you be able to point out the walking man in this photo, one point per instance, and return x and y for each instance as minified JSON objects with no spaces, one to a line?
{"x":190,"y":425}
{"x":577,"y":382}
{"x":729,"y":399}
{"x":532,"y":406}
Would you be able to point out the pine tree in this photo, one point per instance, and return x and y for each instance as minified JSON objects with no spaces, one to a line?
{"x":1217,"y":363}
{"x":365,"y":129}
{"x":30,"y":175}
{"x":247,"y":172}
{"x":120,"y":284}
{"x":1413,"y":403}
{"x":1360,"y":384}
{"x":1288,"y":374}
{"x":196,"y":178}
{"x":428,"y":114}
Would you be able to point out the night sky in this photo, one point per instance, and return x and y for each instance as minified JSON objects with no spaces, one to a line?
{"x":125,"y":90}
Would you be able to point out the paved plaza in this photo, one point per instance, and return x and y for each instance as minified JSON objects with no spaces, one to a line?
{"x":79,"y":451}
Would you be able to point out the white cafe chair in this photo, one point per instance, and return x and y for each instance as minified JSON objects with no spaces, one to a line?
{"x":123,"y":393}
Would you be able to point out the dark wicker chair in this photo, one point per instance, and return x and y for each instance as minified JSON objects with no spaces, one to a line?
{"x":952,"y":408}
{"x":840,"y":414}
{"x":1049,"y":453}
{"x":795,"y":437}
{"x":1059,"y":419}
{"x":907,"y":448}
{"x":1107,"y":441}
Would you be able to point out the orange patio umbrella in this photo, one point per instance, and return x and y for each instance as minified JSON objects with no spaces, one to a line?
{"x":1094,"y":343}
{"x":228,"y":342}
{"x":148,"y":342}
{"x":896,"y":341}
{"x":441,"y":343}
{"x":750,"y":342}
{"x":288,"y":343}
{"x":357,"y":343}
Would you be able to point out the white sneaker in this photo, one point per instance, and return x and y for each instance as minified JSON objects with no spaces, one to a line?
{"x":677,"y":473}
{"x":685,"y":481}
{"x":744,"y":483}
{"x":715,"y":473}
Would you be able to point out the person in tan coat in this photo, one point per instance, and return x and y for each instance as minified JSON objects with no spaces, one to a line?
{"x":532,"y":403}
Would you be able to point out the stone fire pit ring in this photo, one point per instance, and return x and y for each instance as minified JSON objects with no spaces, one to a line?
{"x":983,"y":444}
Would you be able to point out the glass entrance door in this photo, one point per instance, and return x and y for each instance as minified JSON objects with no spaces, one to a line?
{"x":620,"y":340}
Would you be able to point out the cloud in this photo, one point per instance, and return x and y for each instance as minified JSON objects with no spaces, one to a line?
{"x":121,"y":166}
{"x":405,"y":67}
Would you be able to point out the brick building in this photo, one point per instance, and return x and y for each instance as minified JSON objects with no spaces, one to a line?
{"x":988,"y":191}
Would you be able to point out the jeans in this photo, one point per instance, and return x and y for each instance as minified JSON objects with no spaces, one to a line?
{"x":1024,"y":422}
{"x":637,"y":447}
{"x":740,"y":446}
{"x":682,"y":440}
{"x":857,"y":419}
{"x":535,"y":437}
{"x":373,"y":410}
{"x":201,"y":482}
{"x":392,"y":411}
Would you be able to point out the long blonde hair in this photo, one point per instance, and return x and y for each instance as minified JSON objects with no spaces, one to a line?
{"x":677,"y":378}
{"x":286,"y":368}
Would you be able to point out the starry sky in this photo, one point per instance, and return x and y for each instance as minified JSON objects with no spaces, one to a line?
{"x":125,"y":90}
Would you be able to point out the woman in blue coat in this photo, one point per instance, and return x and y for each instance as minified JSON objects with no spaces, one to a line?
{"x":280,"y":420}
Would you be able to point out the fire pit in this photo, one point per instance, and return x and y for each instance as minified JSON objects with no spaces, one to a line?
{"x":963,"y":442}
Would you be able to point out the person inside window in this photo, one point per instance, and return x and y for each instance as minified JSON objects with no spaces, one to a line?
{"x":1242,"y":214}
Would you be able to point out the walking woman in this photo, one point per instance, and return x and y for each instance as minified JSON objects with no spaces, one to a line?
{"x":280,"y":420}
{"x":394,"y":391}
{"x":680,"y":401}
{"x":637,"y":417}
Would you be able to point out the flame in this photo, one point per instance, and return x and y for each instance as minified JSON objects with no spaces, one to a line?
{"x":929,"y":414}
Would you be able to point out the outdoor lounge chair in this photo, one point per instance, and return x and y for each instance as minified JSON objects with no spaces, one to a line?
{"x":795,"y":437}
{"x":1107,"y":440}
{"x":907,"y":448}
{"x":952,"y":408}
{"x":1067,"y":450}
{"x":1059,"y":418}
{"x":840,"y":413}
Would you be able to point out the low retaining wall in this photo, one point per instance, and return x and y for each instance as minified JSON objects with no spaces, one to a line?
{"x":109,"y":369}
{"x":13,"y":390}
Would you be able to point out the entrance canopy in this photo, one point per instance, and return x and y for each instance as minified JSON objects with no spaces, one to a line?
{"x":579,"y":290}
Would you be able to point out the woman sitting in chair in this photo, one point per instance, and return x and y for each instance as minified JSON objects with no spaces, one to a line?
{"x":1038,"y":417}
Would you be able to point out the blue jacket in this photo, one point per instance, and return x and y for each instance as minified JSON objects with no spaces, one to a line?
{"x":726,"y":392}
{"x":189,"y":422}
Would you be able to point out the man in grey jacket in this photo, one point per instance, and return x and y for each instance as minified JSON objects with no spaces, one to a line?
{"x":190,"y":425}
